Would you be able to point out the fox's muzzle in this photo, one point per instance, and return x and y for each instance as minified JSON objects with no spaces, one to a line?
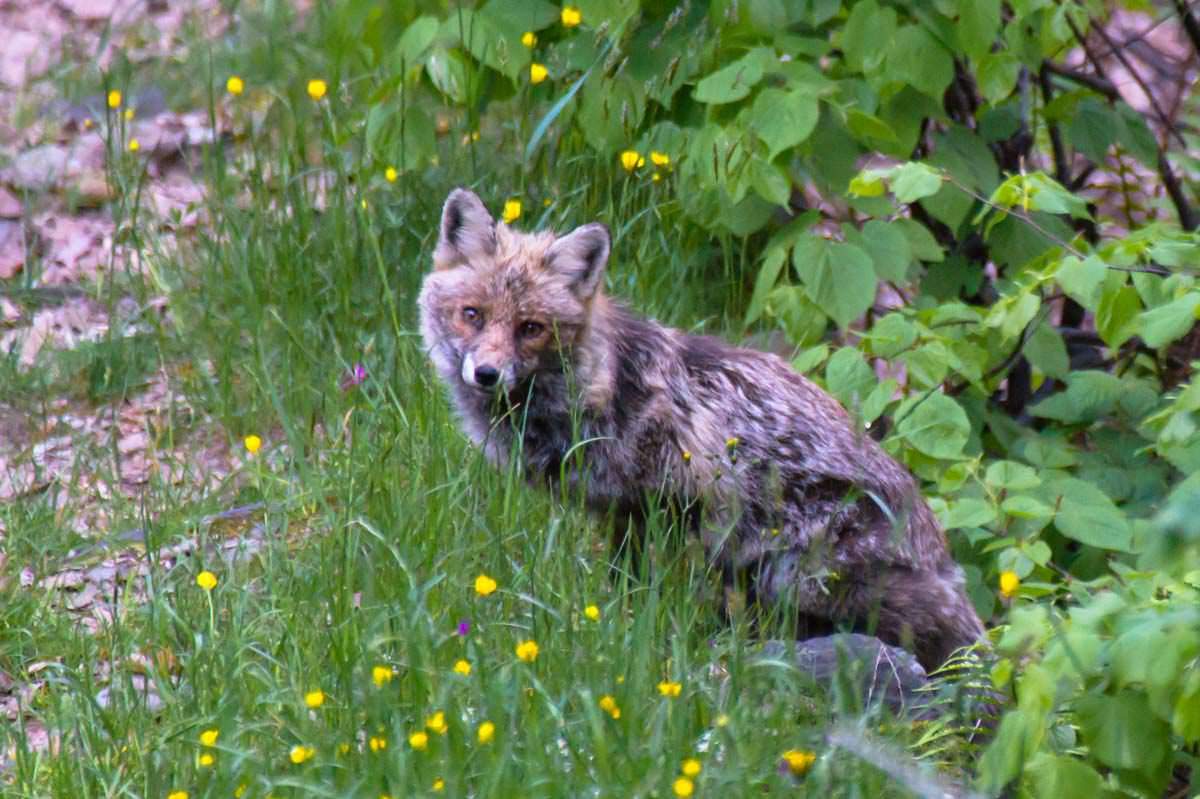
{"x":484,"y":375}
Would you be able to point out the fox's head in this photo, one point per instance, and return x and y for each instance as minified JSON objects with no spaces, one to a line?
{"x":502,"y":305}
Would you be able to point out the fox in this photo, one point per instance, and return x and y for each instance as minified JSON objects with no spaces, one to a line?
{"x":792,"y":501}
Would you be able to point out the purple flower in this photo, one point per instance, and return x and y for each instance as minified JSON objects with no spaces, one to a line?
{"x":354,"y":376}
{"x":464,"y":627}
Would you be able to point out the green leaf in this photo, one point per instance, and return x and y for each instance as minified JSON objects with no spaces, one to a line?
{"x":1122,"y":732}
{"x":838,"y":277}
{"x":889,"y":249}
{"x":1064,"y":777}
{"x":848,"y":377}
{"x":1087,"y":515}
{"x":611,"y":112}
{"x":768,"y":276}
{"x":1016,"y":741}
{"x":914,"y":180}
{"x":1117,"y":317}
{"x":978,"y":24}
{"x":1047,"y":352}
{"x":920,"y":60}
{"x":1166,"y":323}
{"x":449,"y":72}
{"x":770,"y":182}
{"x":924,"y":245}
{"x":891,"y":335}
{"x":1011,"y":476}
{"x":783,"y":119}
{"x":934,"y":424}
{"x":734,"y":81}
{"x":414,"y":42}
{"x":1090,"y":395}
{"x":1082,"y":280}
{"x":997,"y":74}
{"x":862,"y":45}
{"x":968,"y":512}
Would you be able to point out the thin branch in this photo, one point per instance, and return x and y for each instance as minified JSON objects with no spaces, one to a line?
{"x":1097,"y":84}
{"x":1062,"y":169}
{"x":1190,"y":25}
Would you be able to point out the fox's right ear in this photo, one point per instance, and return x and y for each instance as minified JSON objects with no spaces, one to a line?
{"x":468,"y":230}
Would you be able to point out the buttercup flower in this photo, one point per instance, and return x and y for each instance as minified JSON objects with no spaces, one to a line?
{"x":592,"y":612}
{"x":252,"y":443}
{"x":486,"y":731}
{"x":382,"y":675}
{"x":418,"y":741}
{"x":1009,"y":583}
{"x":667,"y":688}
{"x":301,"y":753}
{"x":527,"y":650}
{"x":206,"y":760}
{"x":437,"y":723}
{"x":234,"y":85}
{"x":798,"y":762}
{"x":391,"y":174}
{"x":314,"y":699}
{"x":206,"y":580}
{"x":609,"y":706}
{"x":722,"y":720}
{"x":731,"y":443}
{"x":538,"y":73}
{"x":571,"y":16}
{"x":484,"y":585}
{"x":682,"y":787}
{"x":209,"y":737}
{"x":691,"y":767}
{"x":529,"y":39}
{"x":631,"y":160}
{"x":462,"y":667}
{"x":114,"y":99}
{"x":134,"y":145}
{"x":128,"y":114}
{"x":177,"y":795}
{"x":87,"y":123}
{"x":317,"y":89}
{"x":377,"y":743}
{"x":659,"y":159}
{"x":512,"y":211}
{"x":438,"y":784}
{"x":687,"y":456}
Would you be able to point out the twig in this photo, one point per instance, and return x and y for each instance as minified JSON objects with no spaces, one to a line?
{"x":1062,"y":169}
{"x":1190,"y":26}
{"x":1097,"y":84}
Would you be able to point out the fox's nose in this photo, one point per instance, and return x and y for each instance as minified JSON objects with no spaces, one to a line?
{"x":486,"y":376}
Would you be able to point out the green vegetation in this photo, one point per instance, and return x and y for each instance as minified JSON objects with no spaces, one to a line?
{"x":889,"y":188}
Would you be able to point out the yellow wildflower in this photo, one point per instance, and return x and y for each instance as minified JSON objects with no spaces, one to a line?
{"x":657,"y":177}
{"x":234,"y":85}
{"x":527,"y":650}
{"x":114,"y":99}
{"x":209,"y":737}
{"x":206,"y":580}
{"x":487,"y":730}
{"x":177,"y":795}
{"x":722,"y":720}
{"x":391,"y":174}
{"x":687,"y":456}
{"x":317,"y":89}
{"x":301,"y":753}
{"x":691,"y":767}
{"x":609,"y":706}
{"x":631,"y":160}
{"x":314,"y":698}
{"x":731,"y":443}
{"x":238,"y":791}
{"x":437,"y":723}
{"x":512,"y":211}
{"x":571,"y":16}
{"x":538,"y":73}
{"x":798,"y":761}
{"x":484,"y":585}
{"x":462,"y":667}
{"x":668,"y":688}
{"x":682,"y":787}
{"x":592,"y":612}
{"x":134,"y":145}
{"x":1009,"y":583}
{"x":659,"y":159}
{"x":128,"y":114}
{"x":529,"y":39}
{"x":377,"y":743}
{"x":206,"y":760}
{"x":252,"y":443}
{"x":439,"y":784}
{"x":382,"y":675}
{"x":418,"y":741}
{"x":87,"y":123}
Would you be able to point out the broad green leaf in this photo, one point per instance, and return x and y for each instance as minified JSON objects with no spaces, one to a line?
{"x":891,"y":335}
{"x":1089,"y":396}
{"x":1047,"y":352}
{"x":888,"y":248}
{"x":1017,"y":740}
{"x":734,"y":81}
{"x":864,"y":35}
{"x":924,"y":245}
{"x":768,"y":276}
{"x":877,"y":401}
{"x":770,"y":182}
{"x":1122,"y":732}
{"x":997,"y":74}
{"x":783,"y":119}
{"x":848,"y":377}
{"x":1082,"y":280}
{"x":1064,"y":777}
{"x":1166,"y":323}
{"x":1087,"y":515}
{"x":1011,"y":476}
{"x":934,"y":424}
{"x":869,"y":128}
{"x":449,"y":72}
{"x":914,"y":180}
{"x":920,"y":60}
{"x":1117,"y":317}
{"x":611,"y":112}
{"x":415,"y":40}
{"x":978,"y":24}
{"x":1024,"y":507}
{"x":802,"y":321}
{"x":838,"y":277}
{"x":968,"y":512}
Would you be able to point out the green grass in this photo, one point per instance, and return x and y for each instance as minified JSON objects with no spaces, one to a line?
{"x":377,"y":518}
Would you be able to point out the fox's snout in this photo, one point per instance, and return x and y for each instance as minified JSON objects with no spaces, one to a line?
{"x":485,"y":372}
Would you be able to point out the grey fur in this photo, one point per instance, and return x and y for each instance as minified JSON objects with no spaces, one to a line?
{"x":804,"y":509}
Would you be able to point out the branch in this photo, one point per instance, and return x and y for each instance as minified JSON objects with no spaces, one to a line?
{"x":1190,"y":26}
{"x":1062,"y":169}
{"x":1097,"y":84}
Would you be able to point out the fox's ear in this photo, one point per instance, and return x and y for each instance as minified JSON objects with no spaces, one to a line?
{"x":468,"y":230}
{"x":581,"y":256}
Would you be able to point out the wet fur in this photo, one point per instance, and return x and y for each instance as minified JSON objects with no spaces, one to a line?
{"x":804,"y":509}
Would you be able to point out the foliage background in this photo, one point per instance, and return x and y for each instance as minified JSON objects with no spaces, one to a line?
{"x":944,"y":212}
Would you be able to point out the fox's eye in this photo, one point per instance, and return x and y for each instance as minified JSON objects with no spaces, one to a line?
{"x":472,"y":315}
{"x":531,"y":329}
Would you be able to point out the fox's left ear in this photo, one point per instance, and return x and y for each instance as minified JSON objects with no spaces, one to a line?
{"x":581,"y":256}
{"x":468,"y":231}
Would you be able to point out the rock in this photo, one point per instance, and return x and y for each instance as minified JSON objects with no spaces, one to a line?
{"x":38,"y":169}
{"x":10,"y":206}
{"x":90,"y":10}
{"x":24,"y":56}
{"x":880,"y":672}
{"x":12,"y":249}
